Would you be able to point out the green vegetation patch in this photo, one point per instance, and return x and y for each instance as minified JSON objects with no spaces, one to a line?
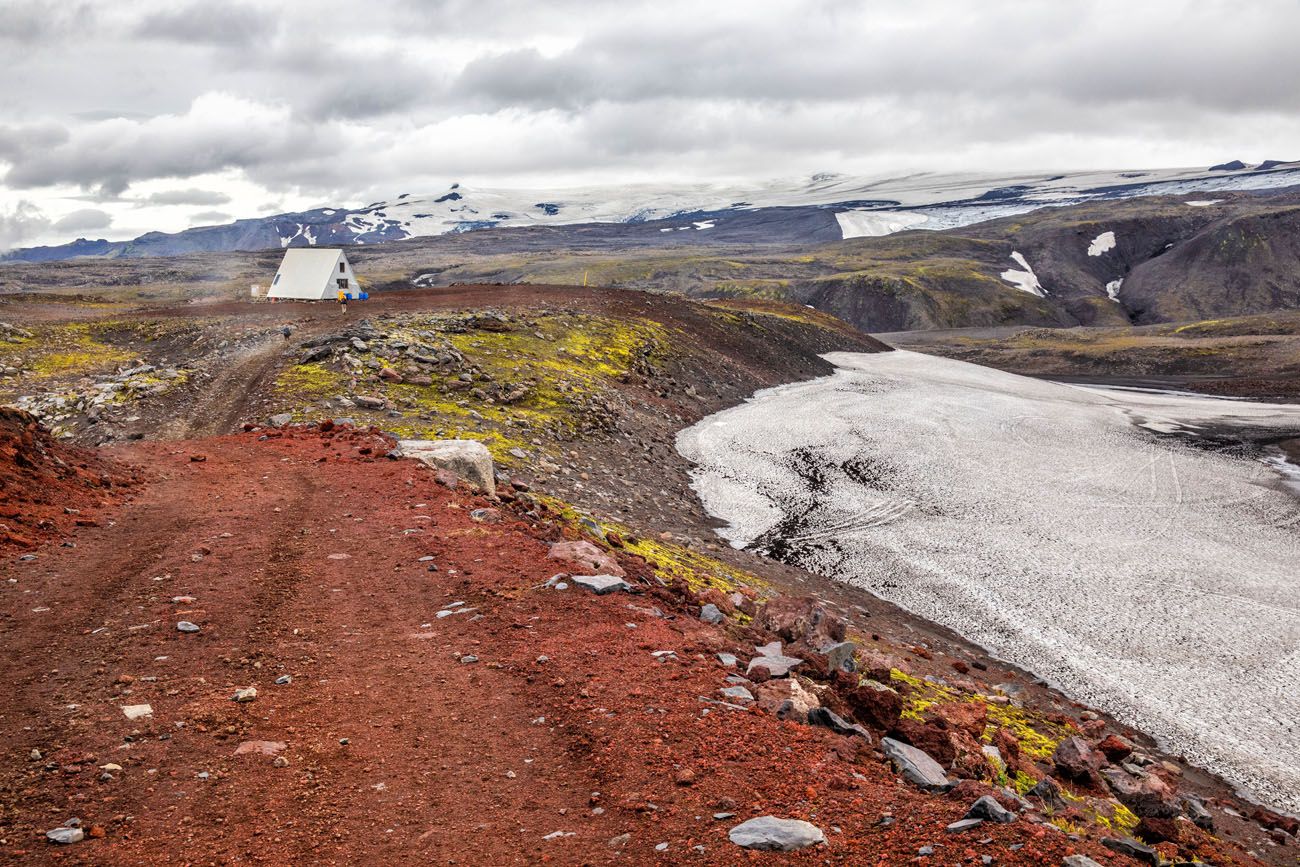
{"x":71,"y":349}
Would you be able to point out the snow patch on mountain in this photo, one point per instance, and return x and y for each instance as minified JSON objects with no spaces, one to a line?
{"x":1101,"y":244}
{"x":1112,"y":289}
{"x":1026,"y":280}
{"x":870,"y":224}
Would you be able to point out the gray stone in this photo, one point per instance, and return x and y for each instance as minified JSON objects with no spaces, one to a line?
{"x":1198,"y":814}
{"x":916,"y":766}
{"x":283,"y":680}
{"x":728,"y":659}
{"x":839,"y":657}
{"x":280,"y":419}
{"x":964,"y":825}
{"x":1078,"y":861}
{"x":988,"y":808}
{"x":821,"y":716}
{"x":770,"y":834}
{"x":710,"y":613}
{"x":186,"y":626}
{"x":469,"y":659}
{"x":1133,"y":849}
{"x":771,"y":658}
{"x":469,"y":459}
{"x":601,"y":584}
{"x":1049,"y":793}
{"x":65,"y":836}
{"x":737,"y":693}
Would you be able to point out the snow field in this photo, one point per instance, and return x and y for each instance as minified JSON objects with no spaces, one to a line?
{"x":1143,"y":576}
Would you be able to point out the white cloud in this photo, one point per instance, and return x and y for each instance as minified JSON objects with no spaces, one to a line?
{"x":83,"y":220}
{"x":159,"y":98}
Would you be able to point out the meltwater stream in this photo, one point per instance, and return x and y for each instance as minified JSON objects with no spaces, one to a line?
{"x":1155,"y":580}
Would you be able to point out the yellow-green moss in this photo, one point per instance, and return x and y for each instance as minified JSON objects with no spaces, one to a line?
{"x":1038,"y":736}
{"x":71,"y":349}
{"x":311,"y":381}
{"x":671,"y":562}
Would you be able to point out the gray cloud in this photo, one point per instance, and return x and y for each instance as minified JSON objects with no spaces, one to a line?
{"x":210,"y":23}
{"x":339,"y":107}
{"x":210,"y":218}
{"x":83,"y":220}
{"x":21,"y":223}
{"x":191,"y":196}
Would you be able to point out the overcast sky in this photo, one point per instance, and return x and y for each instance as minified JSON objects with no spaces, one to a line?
{"x":125,"y":116}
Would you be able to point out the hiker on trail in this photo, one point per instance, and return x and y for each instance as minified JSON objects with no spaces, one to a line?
{"x":343,"y":301}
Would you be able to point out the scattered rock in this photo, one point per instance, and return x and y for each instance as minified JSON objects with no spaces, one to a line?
{"x":804,"y":619}
{"x":137,"y":711}
{"x":1049,"y":793}
{"x":772,"y":661}
{"x":1116,"y":748}
{"x":65,"y":836}
{"x":786,"y":698}
{"x":1075,"y":760}
{"x":1078,"y":861}
{"x":280,"y":419}
{"x":737,"y":693}
{"x":876,"y":704}
{"x":839,"y":656}
{"x":1145,"y":794}
{"x":770,"y":834}
{"x":710,"y":613}
{"x":586,"y":555}
{"x":262,"y":748}
{"x":988,"y":808}
{"x":602,"y":584}
{"x":186,"y":626}
{"x":821,"y":716}
{"x":1133,"y":849}
{"x":485,"y":516}
{"x":916,"y":766}
{"x":469,"y":459}
{"x":964,"y":825}
{"x":1195,"y":811}
{"x":245,"y":695}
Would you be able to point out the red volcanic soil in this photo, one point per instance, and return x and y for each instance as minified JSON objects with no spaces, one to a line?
{"x":47,"y":488}
{"x":529,"y":725}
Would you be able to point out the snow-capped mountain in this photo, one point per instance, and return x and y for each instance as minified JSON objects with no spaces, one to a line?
{"x":859,"y":207}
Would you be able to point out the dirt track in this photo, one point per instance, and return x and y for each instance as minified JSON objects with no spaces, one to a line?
{"x":467,"y":762}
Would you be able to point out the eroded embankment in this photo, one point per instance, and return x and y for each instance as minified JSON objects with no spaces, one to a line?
{"x":1150,"y":579}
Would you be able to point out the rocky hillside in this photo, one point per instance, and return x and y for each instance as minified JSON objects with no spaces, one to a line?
{"x":326,"y":651}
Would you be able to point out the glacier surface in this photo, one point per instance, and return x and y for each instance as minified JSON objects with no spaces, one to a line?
{"x":1140,"y":574}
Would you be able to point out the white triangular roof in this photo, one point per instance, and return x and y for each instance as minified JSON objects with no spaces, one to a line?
{"x":310,"y":273}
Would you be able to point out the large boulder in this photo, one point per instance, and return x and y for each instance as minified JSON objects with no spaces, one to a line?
{"x":1146,"y":795}
{"x":916,"y":766}
{"x":953,"y":748}
{"x":469,"y":459}
{"x":785,"y":698}
{"x":585,"y":555}
{"x":770,"y":834}
{"x":875,"y":703}
{"x":1076,"y":760}
{"x":801,"y":619}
